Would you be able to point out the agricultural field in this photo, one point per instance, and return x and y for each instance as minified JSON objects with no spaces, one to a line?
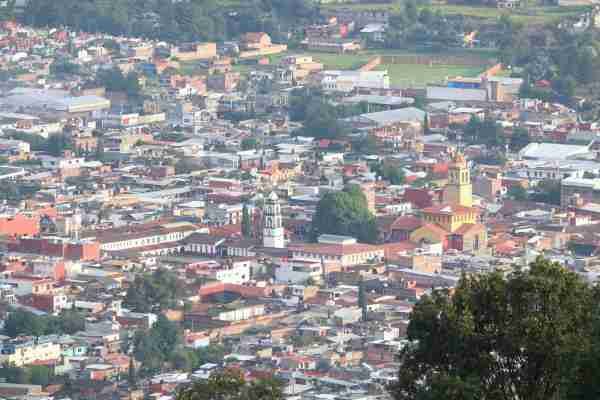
{"x":533,"y":14}
{"x":529,"y":13}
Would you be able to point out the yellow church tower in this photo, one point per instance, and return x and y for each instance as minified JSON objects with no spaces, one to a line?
{"x":459,"y":190}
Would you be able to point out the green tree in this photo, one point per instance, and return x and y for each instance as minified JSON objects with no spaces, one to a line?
{"x":366,"y":145}
{"x":515,"y":337}
{"x":517,"y":192}
{"x":322,"y":121}
{"x":362,"y":300}
{"x":40,"y":375}
{"x":57,"y":144}
{"x":184,"y":359}
{"x":157,"y":346}
{"x":471,"y":129}
{"x":230,"y":385}
{"x":395,"y":175}
{"x":547,"y":191}
{"x":62,"y":66}
{"x":246,"y":222}
{"x":213,"y":353}
{"x":12,"y":374}
{"x":71,"y":321}
{"x":565,"y":86}
{"x":345,"y":213}
{"x":519,"y":139}
{"x":132,"y":374}
{"x":20,"y":322}
{"x":151,"y":292}
{"x":115,"y":81}
{"x":249,"y":143}
{"x":24,"y":323}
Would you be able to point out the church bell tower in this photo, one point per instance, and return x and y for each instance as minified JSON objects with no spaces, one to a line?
{"x":273,"y":235}
{"x":459,"y":190}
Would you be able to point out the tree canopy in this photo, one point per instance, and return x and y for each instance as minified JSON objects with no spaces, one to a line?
{"x":345,"y":213}
{"x":230,"y":385}
{"x":319,"y":116}
{"x":531,"y":335}
{"x":486,"y":132}
{"x":153,"y":291}
{"x":180,"y":21}
{"x":34,"y":375}
{"x":20,"y":322}
{"x":157,"y":346}
{"x":547,"y":191}
{"x":115,"y":81}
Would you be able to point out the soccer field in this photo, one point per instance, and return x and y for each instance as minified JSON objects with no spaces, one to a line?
{"x":329,"y":60}
{"x":417,"y":75}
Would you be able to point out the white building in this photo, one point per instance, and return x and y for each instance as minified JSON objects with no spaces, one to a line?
{"x":242,"y":313}
{"x":237,"y":273}
{"x":298,"y":271}
{"x":553,"y":151}
{"x":347,"y":81}
{"x":556,"y":170}
{"x":273,"y":235}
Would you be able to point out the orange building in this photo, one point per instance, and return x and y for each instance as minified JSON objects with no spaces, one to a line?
{"x":19,"y":225}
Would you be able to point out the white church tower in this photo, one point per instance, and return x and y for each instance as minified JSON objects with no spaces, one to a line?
{"x":272,"y":227}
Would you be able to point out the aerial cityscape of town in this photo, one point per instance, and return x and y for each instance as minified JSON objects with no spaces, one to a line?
{"x":299,"y":199}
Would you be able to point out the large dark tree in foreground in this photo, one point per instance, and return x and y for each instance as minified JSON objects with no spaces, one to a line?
{"x":533,"y":335}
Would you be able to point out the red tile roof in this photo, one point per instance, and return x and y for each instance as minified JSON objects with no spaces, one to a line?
{"x":469,"y":228}
{"x":407,"y":223}
{"x":334,"y":249}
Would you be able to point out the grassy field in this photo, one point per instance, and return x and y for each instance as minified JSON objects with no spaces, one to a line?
{"x":400,"y":74}
{"x":412,"y":75}
{"x":529,"y":13}
{"x":330,"y":61}
{"x":534,"y":14}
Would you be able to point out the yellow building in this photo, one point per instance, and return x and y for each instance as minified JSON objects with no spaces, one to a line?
{"x":28,"y":351}
{"x":450,"y":217}
{"x":455,"y":222}
{"x":459,"y":190}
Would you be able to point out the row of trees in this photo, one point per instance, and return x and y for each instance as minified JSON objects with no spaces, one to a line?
{"x":54,"y":145}
{"x":32,"y":375}
{"x":321,"y":119}
{"x":188,"y":20}
{"x":115,"y":81}
{"x":411,"y":27}
{"x":491,"y":134}
{"x":25,"y":323}
{"x":162,"y":347}
{"x":532,"y":335}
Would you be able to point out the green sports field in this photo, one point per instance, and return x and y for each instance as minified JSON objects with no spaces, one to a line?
{"x":413,"y":75}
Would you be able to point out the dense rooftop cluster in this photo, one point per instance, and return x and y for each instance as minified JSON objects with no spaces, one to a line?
{"x":270,"y":209}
